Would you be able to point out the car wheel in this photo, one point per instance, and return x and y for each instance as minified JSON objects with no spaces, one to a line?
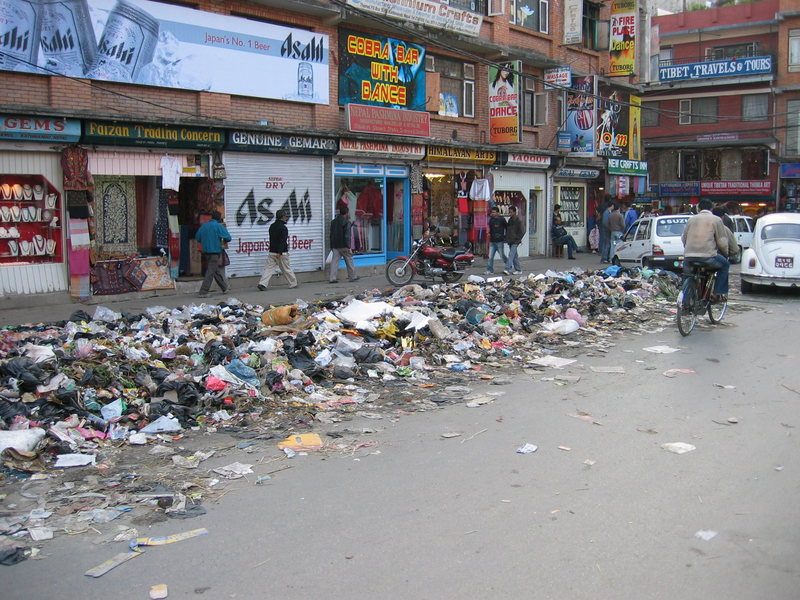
{"x":747,"y":287}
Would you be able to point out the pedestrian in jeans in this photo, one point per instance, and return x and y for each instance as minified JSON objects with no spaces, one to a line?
{"x":605,"y":233}
{"x":561,"y":237}
{"x":497,"y":238}
{"x":616,"y":225}
{"x":340,"y":245}
{"x":278,"y":252}
{"x":515,"y":231}
{"x":210,"y":236}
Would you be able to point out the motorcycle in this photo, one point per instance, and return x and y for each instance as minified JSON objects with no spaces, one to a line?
{"x":430,"y":261}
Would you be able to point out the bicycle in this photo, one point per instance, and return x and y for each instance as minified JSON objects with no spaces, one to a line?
{"x":694,"y":298}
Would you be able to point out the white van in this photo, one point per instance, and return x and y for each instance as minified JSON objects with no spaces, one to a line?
{"x":743,"y":232}
{"x":653,"y":242}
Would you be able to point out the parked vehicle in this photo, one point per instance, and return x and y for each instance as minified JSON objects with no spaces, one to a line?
{"x":653,"y":242}
{"x":774,"y":256}
{"x":743,"y":232}
{"x":430,"y":261}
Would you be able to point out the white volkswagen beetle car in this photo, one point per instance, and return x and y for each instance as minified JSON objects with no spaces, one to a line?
{"x":774,"y":257}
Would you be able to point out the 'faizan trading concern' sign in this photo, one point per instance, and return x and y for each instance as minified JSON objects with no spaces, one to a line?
{"x":755,"y":65}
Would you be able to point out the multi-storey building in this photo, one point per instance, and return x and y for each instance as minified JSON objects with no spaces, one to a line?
{"x":720,"y":118}
{"x":126,"y":122}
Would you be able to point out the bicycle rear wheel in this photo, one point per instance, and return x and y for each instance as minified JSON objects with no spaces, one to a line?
{"x":716,"y":311}
{"x":686,"y":316}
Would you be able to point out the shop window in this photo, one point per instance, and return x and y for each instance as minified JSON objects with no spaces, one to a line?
{"x":732,"y":51}
{"x":531,"y":14}
{"x":793,"y":127}
{"x":698,"y":111}
{"x":711,"y":165}
{"x":572,"y":202}
{"x":650,"y":114}
{"x":689,"y":166}
{"x":755,"y":107}
{"x":30,"y":221}
{"x":457,"y":86}
{"x":794,"y":50}
{"x":364,"y":198}
{"x":593,"y":28}
{"x":755,"y":164}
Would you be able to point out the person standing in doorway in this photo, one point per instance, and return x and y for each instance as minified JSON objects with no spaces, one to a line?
{"x":278,"y":252}
{"x":605,"y":233}
{"x":341,"y":230}
{"x":616,"y":225}
{"x":515,"y":231}
{"x":497,"y":238}
{"x":210,"y":236}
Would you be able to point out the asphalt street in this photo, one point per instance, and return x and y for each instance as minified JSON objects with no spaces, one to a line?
{"x":600,"y":511}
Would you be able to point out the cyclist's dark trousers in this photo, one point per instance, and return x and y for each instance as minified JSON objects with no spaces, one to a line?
{"x":721,"y":284}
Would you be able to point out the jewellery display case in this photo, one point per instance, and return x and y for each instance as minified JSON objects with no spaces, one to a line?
{"x":30,"y":221}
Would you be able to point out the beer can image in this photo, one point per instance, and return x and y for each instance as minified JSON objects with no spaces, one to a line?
{"x":127,"y":45}
{"x":67,"y":38}
{"x":20,"y":27}
{"x":305,"y":80}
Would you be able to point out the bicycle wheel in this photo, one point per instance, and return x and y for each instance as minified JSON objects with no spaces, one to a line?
{"x":686,"y":316}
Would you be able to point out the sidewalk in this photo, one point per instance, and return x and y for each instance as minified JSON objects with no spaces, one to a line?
{"x":314,"y":286}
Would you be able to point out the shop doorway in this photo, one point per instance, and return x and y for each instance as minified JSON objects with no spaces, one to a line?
{"x":398,"y":222}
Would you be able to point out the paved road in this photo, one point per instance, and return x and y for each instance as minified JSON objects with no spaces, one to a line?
{"x":425,"y":517}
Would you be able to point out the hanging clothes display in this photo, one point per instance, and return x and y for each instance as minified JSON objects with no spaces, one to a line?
{"x":171,"y":169}
{"x":75,"y":166}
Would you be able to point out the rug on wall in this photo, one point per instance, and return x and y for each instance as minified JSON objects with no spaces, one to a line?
{"x":115,"y":215}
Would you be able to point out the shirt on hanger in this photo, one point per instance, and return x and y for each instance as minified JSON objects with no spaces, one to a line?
{"x":171,"y":169}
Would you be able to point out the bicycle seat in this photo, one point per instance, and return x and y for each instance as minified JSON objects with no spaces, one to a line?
{"x":707,"y":264}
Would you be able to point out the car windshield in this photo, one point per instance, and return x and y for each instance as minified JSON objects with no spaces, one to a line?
{"x":672,"y":227}
{"x":781,"y":231}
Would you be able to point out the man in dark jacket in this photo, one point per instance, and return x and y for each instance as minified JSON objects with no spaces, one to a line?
{"x":515,"y":231}
{"x":278,"y":252}
{"x":497,"y":238}
{"x":340,"y":245}
{"x":561,"y":237}
{"x":210,"y":236}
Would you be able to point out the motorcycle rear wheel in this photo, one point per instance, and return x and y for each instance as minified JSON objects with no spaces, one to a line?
{"x":399,"y":272}
{"x":451,"y":277}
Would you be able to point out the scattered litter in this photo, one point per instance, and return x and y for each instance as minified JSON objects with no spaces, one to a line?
{"x":584,"y":416}
{"x":40,"y":533}
{"x":725,"y":387}
{"x":613,"y":370}
{"x":590,"y":463}
{"x":527,"y":449}
{"x":673,"y":372}
{"x":451,"y":434}
{"x":678,"y":447}
{"x":733,"y":420}
{"x":234,"y":470}
{"x":565,"y":448}
{"x":706,"y":535}
{"x":555,"y":362}
{"x":74,"y":460}
{"x":167,"y":539}
{"x":661,"y":349}
{"x":112,"y":563}
{"x":303,"y":441}
{"x":159,"y":591}
{"x":779,"y":468}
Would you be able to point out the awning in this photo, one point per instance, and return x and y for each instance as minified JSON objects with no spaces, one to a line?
{"x":683,"y":144}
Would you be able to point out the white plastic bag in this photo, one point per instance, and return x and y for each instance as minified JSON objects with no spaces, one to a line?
{"x":329,"y":258}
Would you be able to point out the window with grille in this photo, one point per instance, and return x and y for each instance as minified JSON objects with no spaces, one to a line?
{"x":531,"y":14}
{"x":732,"y":51}
{"x":794,"y":50}
{"x":793,"y":127}
{"x":755,"y":107}
{"x":591,"y":25}
{"x":650,"y":114}
{"x":477,"y":6}
{"x":698,"y":111}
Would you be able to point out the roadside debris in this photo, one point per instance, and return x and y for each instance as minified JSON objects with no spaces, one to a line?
{"x":678,"y":447}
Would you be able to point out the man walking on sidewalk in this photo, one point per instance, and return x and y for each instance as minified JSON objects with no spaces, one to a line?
{"x":497,"y":238}
{"x":341,"y":229}
{"x":210,"y":236}
{"x":278,"y":252}
{"x":515,"y":231}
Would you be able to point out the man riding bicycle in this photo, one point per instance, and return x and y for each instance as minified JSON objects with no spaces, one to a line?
{"x":705,"y":238}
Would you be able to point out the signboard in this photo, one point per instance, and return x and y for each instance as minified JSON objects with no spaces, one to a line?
{"x":567,"y":173}
{"x":636,"y":168}
{"x":387,"y":149}
{"x":448,"y":154}
{"x":270,"y":142}
{"x":751,"y":188}
{"x":391,"y":121}
{"x":679,"y":188}
{"x":790,"y":171}
{"x":612,"y":122}
{"x":580,"y":116}
{"x":573,"y":21}
{"x":718,"y":137}
{"x":39,"y":129}
{"x":563,"y":140}
{"x":147,"y":134}
{"x":380,"y":71}
{"x":150,"y":43}
{"x":635,"y":121}
{"x":430,"y":13}
{"x":622,"y":42}
{"x":559,"y":76}
{"x":504,"y":85}
{"x":730,"y":67}
{"x":536,"y":161}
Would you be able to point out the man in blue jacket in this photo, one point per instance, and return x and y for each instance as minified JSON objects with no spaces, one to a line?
{"x":210,"y":235}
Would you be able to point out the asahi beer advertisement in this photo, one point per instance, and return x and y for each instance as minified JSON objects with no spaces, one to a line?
{"x":137,"y":41}
{"x":381,"y":71}
{"x":612,"y":122}
{"x":504,"y":86}
{"x":622,"y":45}
{"x":580,"y":116}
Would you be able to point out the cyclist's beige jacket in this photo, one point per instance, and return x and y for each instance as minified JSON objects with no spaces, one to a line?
{"x":705,"y":236}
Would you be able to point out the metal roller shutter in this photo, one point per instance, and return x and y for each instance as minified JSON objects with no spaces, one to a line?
{"x":256,"y":187}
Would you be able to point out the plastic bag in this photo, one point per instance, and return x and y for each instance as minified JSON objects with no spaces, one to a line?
{"x":243,"y":372}
{"x":563,"y":327}
{"x":101,"y":313}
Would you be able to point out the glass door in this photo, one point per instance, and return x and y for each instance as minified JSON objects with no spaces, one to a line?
{"x":398,"y":223}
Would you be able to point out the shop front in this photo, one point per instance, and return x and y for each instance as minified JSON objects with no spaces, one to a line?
{"x":32,"y":243}
{"x":573,"y":190}
{"x":522,"y":182}
{"x":627,"y":181}
{"x":457,"y":195}
{"x":268,"y":172}
{"x":151,"y":188}
{"x":374,"y":181}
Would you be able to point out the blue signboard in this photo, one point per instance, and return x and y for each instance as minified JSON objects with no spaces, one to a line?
{"x":790,"y":171}
{"x":731,"y":67}
{"x":680,"y":188}
{"x":31,"y":128}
